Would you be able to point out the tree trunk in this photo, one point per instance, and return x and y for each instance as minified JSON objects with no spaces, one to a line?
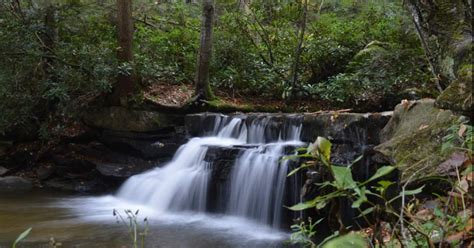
{"x":125,"y":85}
{"x":49,"y":38}
{"x":417,"y":21}
{"x":203,"y":89}
{"x":299,"y":48}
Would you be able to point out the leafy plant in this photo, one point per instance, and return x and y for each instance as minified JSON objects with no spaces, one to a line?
{"x":341,"y":185}
{"x":136,"y":232}
{"x":460,"y":137}
{"x":21,"y":237}
{"x":303,"y":233}
{"x":349,"y":240}
{"x":342,"y":182}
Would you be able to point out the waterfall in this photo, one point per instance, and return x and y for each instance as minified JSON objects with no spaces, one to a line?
{"x":257,"y":179}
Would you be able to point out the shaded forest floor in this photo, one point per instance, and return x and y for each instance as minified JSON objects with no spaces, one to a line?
{"x":177,"y":95}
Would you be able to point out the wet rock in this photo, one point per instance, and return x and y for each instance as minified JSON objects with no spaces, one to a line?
{"x":68,"y":167}
{"x":123,"y":119}
{"x":82,"y":186}
{"x":14,"y":184}
{"x":353,"y":128}
{"x":121,"y":170}
{"x":44,"y":172}
{"x":201,"y":123}
{"x":341,"y":127}
{"x":3,"y":170}
{"x":89,"y":160}
{"x":144,"y":145}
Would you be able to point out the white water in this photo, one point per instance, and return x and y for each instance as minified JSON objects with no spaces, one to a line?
{"x":257,"y":181}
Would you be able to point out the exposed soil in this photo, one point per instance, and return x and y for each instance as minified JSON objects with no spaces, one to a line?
{"x":177,"y":95}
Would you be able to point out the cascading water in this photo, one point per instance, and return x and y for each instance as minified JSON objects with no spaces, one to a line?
{"x":257,"y":180}
{"x":257,"y":184}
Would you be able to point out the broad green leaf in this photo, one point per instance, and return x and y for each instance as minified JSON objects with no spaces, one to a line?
{"x":356,"y":160}
{"x":361,"y":197}
{"x":343,"y":177}
{"x":324,"y":147}
{"x":303,"y":205}
{"x":332,"y":236}
{"x":22,"y":236}
{"x":298,"y":169}
{"x":385,"y":184}
{"x":382,"y":171}
{"x":407,"y":193}
{"x":321,"y":204}
{"x":293,"y":157}
{"x":366,"y":212}
{"x":412,"y":192}
{"x":301,"y":149}
{"x":349,"y":240}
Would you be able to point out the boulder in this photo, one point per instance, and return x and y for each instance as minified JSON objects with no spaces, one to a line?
{"x":123,"y":119}
{"x":458,"y":96}
{"x":413,"y":138}
{"x":14,"y":184}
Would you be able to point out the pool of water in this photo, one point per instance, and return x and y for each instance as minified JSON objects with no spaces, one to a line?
{"x":85,"y":221}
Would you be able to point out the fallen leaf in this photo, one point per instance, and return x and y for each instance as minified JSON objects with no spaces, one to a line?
{"x":405,"y":103}
{"x":463,"y":186}
{"x":456,"y":237}
{"x":423,"y":127}
{"x":465,"y":213}
{"x":469,"y":226}
{"x":424,"y":214}
{"x":449,"y":166}
{"x":470,"y":176}
{"x":462,"y":130}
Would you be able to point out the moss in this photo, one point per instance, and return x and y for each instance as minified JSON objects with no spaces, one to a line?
{"x":372,"y":49}
{"x":123,"y":119}
{"x":218,"y":105}
{"x":458,"y":96}
{"x":413,"y":138}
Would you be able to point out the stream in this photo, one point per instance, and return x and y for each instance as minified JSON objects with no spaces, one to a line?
{"x":80,"y":221}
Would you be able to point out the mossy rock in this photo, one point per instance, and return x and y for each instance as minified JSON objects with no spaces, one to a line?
{"x":373,"y":49}
{"x":414,"y":136}
{"x":123,"y":119}
{"x":458,"y":96}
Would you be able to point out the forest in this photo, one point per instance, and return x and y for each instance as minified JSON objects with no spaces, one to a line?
{"x":236,"y":123}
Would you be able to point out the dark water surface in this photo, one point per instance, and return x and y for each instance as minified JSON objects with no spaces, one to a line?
{"x":84,"y":221}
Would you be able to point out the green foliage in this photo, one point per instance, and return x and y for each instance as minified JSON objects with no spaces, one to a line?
{"x":413,"y":223}
{"x":460,"y":136}
{"x":253,"y":53}
{"x":342,"y":183}
{"x":302,"y":233}
{"x":21,"y":237}
{"x":349,"y":240}
{"x":52,"y":69}
{"x":136,"y":231}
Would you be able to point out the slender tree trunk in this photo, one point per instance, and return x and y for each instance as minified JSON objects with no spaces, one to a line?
{"x":203,"y":89}
{"x":417,"y":21}
{"x":299,"y":48}
{"x":125,"y":84}
{"x":49,"y":37}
